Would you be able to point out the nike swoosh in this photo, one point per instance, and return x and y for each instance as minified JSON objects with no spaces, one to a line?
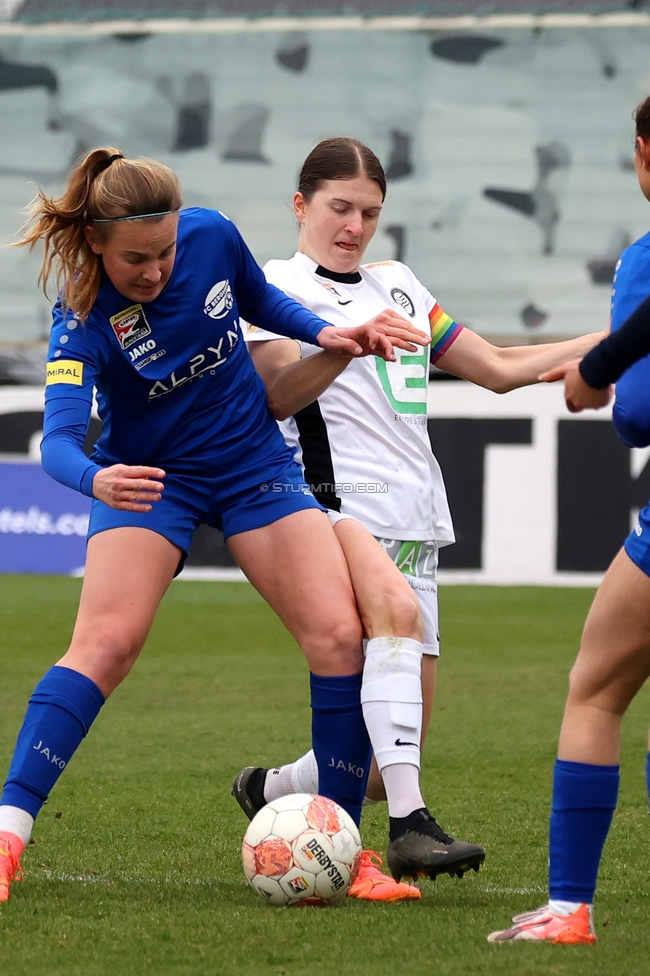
{"x":398,"y":742}
{"x":349,"y":302}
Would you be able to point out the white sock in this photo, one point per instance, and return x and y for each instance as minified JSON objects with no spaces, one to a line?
{"x":563,"y":907}
{"x":391,"y":696}
{"x":304,"y":774}
{"x":300,"y":776}
{"x":16,"y":821}
{"x":402,"y":782}
{"x":277,"y":783}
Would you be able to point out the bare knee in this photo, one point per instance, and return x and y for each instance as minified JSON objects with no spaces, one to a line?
{"x":602,"y":689}
{"x":335,"y":648}
{"x":396,"y":614}
{"x":106,"y":656}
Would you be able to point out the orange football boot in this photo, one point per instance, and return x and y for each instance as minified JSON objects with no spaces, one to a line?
{"x":545,"y":925}
{"x":372,"y":885}
{"x":11,"y":847}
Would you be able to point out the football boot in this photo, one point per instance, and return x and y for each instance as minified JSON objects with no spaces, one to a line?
{"x":248,"y":789}
{"x":11,"y":847}
{"x":420,"y":847}
{"x":545,"y":925}
{"x":371,"y":884}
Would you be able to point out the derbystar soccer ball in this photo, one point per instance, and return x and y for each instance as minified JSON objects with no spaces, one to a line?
{"x":302,"y":850}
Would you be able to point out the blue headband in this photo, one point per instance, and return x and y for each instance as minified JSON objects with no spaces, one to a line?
{"x":107,"y":220}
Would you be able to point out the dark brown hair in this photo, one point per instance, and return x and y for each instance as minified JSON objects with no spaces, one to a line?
{"x":642,"y":118}
{"x":339,"y":159}
{"x":102,"y":186}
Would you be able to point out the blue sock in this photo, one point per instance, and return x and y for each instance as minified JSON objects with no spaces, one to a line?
{"x":61,"y":710}
{"x":584,"y":800}
{"x":340,"y":740}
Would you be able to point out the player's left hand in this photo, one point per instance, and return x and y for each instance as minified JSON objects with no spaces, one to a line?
{"x":377,"y":337}
{"x":577,"y":394}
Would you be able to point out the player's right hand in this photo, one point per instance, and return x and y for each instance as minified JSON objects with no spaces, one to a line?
{"x":377,"y":337}
{"x":128,"y":487}
{"x":399,"y":330}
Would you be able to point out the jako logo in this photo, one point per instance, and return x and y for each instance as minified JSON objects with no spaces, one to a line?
{"x":141,"y":349}
{"x":219,"y":300}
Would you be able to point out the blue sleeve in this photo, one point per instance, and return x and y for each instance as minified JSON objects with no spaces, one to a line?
{"x":631,"y":414}
{"x":264,"y":305}
{"x":69,"y":384}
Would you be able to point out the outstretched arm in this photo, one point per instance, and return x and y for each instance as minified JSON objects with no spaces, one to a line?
{"x":507,"y":368}
{"x":291,"y":382}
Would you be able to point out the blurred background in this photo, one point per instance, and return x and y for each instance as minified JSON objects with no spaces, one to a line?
{"x":505,"y":130}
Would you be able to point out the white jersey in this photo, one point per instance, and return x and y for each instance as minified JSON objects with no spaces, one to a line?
{"x":364,"y":443}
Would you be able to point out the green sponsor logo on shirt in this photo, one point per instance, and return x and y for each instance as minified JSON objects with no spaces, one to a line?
{"x":405,"y":382}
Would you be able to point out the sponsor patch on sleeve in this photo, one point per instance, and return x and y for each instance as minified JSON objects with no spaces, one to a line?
{"x":65,"y":371}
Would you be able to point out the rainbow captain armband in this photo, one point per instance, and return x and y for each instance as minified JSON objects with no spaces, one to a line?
{"x":64,"y":371}
{"x":444,"y":331}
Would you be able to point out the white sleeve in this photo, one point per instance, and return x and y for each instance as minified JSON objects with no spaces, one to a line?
{"x":252,"y":333}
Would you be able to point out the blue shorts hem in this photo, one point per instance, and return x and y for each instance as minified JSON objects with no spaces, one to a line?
{"x":637,"y":544}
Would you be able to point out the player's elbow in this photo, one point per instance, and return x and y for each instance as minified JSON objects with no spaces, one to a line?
{"x":278,"y":406}
{"x":498,"y":372}
{"x":498,"y":378}
{"x":503,"y":384}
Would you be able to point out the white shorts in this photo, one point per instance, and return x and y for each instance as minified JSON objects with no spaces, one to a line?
{"x":422,"y":559}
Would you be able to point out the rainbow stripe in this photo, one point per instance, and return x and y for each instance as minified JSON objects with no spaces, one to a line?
{"x":444,"y":331}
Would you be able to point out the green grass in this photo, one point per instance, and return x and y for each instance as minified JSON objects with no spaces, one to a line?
{"x":135,"y":867}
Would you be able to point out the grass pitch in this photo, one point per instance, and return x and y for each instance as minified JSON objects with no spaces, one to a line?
{"x":135,"y":867}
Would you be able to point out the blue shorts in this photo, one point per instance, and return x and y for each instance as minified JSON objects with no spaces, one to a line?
{"x":233,"y":501}
{"x":637,"y":544}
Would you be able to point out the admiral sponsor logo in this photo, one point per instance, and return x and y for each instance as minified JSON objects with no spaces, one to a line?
{"x":219,"y":300}
{"x":402,"y":299}
{"x":130,"y":326}
{"x":209,"y":361}
{"x":64,"y":371}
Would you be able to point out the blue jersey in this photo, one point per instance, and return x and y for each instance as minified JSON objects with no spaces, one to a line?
{"x":175,"y":385}
{"x":631,"y":413}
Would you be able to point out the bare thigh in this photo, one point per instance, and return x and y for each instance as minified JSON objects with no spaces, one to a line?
{"x":612,"y":665}
{"x":388,"y":607}
{"x":297,"y":565}
{"x":127,"y":573}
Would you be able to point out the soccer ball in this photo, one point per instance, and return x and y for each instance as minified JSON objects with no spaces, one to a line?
{"x":301,"y":850}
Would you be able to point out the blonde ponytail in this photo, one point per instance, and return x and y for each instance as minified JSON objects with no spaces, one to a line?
{"x":104,"y":186}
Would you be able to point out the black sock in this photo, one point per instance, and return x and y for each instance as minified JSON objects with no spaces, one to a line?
{"x":400,"y":825}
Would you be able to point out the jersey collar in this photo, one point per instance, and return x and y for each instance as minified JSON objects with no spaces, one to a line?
{"x":345,"y":279}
